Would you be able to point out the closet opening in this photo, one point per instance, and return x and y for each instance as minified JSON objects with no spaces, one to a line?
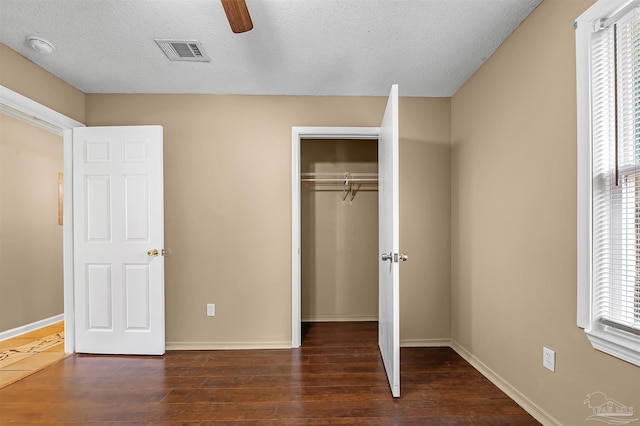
{"x":338,"y":231}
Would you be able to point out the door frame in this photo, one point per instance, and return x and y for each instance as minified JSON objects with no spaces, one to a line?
{"x":297,"y":134}
{"x":18,"y":106}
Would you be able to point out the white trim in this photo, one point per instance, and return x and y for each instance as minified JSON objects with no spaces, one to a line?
{"x":339,"y":318}
{"x":19,"y":106}
{"x":298,"y":133}
{"x":37,"y":325}
{"x":69,"y":283}
{"x":599,"y":10}
{"x":615,"y":342}
{"x":425,"y":343}
{"x":213,"y":346}
{"x":584,"y":225}
{"x":529,"y":406}
{"x":620,"y":12}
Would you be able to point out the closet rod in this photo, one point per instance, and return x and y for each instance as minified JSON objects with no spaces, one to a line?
{"x":340,"y":181}
{"x":349,"y":183}
{"x":340,"y":178}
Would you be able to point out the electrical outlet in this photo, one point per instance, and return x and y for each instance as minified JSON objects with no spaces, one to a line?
{"x":211,"y":310}
{"x":548,"y":359}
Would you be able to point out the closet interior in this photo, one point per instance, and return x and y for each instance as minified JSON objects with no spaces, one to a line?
{"x":339,"y":230}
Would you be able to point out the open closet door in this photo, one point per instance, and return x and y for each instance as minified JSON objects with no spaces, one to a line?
{"x":118,"y":240}
{"x":389,"y":241}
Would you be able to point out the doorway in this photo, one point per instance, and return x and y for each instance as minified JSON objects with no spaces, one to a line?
{"x":31,"y":246}
{"x":339,"y":230}
{"x":22,"y":108}
{"x":31,"y":227}
{"x":299,"y":134}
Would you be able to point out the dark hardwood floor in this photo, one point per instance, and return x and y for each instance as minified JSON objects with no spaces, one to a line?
{"x":336,"y":378}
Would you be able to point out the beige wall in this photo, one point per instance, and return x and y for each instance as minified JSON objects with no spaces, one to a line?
{"x":31,"y":286}
{"x":23,"y":76}
{"x":514,"y":221}
{"x":425,"y":220}
{"x":228,"y":207}
{"x":339,"y":239}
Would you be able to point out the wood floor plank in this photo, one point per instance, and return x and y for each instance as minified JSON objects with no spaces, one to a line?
{"x":335,"y":378}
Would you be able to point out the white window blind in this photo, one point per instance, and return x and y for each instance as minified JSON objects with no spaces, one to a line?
{"x":615,"y":89}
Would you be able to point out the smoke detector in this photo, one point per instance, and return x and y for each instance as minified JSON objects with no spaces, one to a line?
{"x":40,"y":45}
{"x":183,"y":50}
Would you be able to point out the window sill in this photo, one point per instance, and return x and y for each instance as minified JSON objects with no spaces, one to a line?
{"x":616,"y":343}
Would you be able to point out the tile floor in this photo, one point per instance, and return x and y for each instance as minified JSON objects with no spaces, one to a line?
{"x":25,"y":354}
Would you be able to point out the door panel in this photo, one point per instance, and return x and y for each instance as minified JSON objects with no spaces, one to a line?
{"x":118,"y":218}
{"x":98,"y":202}
{"x":98,"y":284}
{"x":137,"y":288}
{"x":136,"y":217}
{"x":389,"y":242}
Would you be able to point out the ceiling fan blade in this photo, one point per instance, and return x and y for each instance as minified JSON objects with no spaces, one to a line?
{"x":237,"y":15}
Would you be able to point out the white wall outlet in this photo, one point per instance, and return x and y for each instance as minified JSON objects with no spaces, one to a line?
{"x":211,"y":309}
{"x":548,"y":359}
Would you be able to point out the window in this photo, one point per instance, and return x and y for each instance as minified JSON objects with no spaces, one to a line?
{"x":608,"y":77}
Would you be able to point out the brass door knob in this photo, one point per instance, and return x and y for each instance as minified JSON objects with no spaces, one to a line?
{"x":152,"y":253}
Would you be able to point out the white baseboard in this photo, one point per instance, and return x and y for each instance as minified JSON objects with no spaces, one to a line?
{"x":338,"y":318}
{"x":23,"y":329}
{"x":529,"y":406}
{"x":213,"y":346}
{"x":425,"y":343}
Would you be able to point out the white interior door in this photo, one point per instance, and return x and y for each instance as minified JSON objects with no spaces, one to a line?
{"x":118,"y":222}
{"x":389,"y":242}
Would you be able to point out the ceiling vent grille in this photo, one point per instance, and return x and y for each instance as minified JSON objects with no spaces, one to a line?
{"x":183,"y":50}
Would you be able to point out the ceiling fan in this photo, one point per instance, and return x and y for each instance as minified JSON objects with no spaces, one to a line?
{"x":237,"y":15}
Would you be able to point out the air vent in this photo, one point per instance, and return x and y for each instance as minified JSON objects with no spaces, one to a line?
{"x":183,"y":50}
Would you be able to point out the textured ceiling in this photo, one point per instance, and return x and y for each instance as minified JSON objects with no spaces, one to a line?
{"x":297,"y":47}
